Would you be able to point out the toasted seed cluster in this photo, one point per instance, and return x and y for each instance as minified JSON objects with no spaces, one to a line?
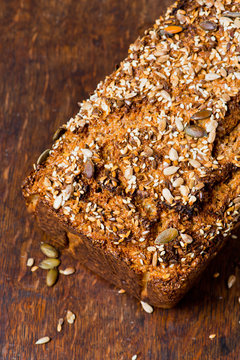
{"x":145,"y":151}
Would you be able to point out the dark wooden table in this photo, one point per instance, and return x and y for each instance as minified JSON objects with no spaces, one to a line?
{"x":52,"y":54}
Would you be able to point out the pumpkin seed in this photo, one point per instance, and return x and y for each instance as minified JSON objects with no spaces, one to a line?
{"x":43,"y":157}
{"x":208,"y":25}
{"x":195,"y":131}
{"x":231,"y":14}
{"x":89,"y":169}
{"x":166,"y":236}
{"x":49,"y":251}
{"x":202,"y":114}
{"x":52,"y":276}
{"x":173,"y":29}
{"x":59,"y":132}
{"x":49,"y":263}
{"x":43,"y":340}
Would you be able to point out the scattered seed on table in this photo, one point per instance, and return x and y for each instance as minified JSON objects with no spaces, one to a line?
{"x":49,"y":250}
{"x":34,"y":268}
{"x":49,"y":263}
{"x":146,"y":307}
{"x":30,"y":262}
{"x":43,"y":340}
{"x":67,"y":271}
{"x":212,"y":336}
{"x":59,"y":325}
{"x":70,"y":317}
{"x":121,"y":291}
{"x":231,"y":281}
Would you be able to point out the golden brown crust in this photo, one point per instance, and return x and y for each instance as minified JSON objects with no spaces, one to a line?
{"x":155,"y":147}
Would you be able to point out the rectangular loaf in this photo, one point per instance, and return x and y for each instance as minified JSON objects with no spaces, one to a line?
{"x":143,"y":184}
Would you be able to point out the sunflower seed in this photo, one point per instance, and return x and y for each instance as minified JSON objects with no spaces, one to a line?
{"x":34,"y":268}
{"x":195,"y":131}
{"x":59,"y":132}
{"x":67,"y":271}
{"x":49,"y":263}
{"x":146,"y":307}
{"x":58,"y":202}
{"x":52,"y":276}
{"x":211,"y":77}
{"x":178,"y":182}
{"x":231,"y":14}
{"x":89,"y":169}
{"x":43,"y":340}
{"x":231,"y":281}
{"x":202,"y":114}
{"x":187,"y":238}
{"x":43,"y":157}
{"x":167,"y":195}
{"x":208,"y":25}
{"x":59,"y":325}
{"x":70,"y":317}
{"x":49,"y":250}
{"x":170,"y":170}
{"x":173,"y":154}
{"x":166,"y":236}
{"x":196,"y":164}
{"x":173,"y":29}
{"x":212,"y":336}
{"x":30,"y":262}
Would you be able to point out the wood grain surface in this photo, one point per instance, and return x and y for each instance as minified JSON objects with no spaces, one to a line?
{"x":52,"y":54}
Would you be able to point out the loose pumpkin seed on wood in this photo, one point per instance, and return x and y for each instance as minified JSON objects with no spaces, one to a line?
{"x":202,"y":114}
{"x":173,"y":29}
{"x":52,"y":276}
{"x":208,"y":25}
{"x":43,"y":157}
{"x":195,"y":131}
{"x":166,"y":236}
{"x":43,"y":340}
{"x":59,"y":325}
{"x":49,"y":250}
{"x":49,"y":263}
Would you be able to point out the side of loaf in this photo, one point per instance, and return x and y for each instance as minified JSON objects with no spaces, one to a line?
{"x":143,"y":184}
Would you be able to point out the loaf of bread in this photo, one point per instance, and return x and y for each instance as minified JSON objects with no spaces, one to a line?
{"x":143,"y":184}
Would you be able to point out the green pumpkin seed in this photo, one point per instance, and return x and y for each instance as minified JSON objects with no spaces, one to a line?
{"x":49,"y":250}
{"x":231,"y":14}
{"x":208,"y":25}
{"x":195,"y":131}
{"x":43,"y":157}
{"x":202,"y":114}
{"x":49,"y":263}
{"x":59,"y":132}
{"x":166,"y":236}
{"x":52,"y":276}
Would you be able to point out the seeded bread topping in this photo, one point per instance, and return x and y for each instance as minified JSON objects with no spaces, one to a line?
{"x":149,"y":167}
